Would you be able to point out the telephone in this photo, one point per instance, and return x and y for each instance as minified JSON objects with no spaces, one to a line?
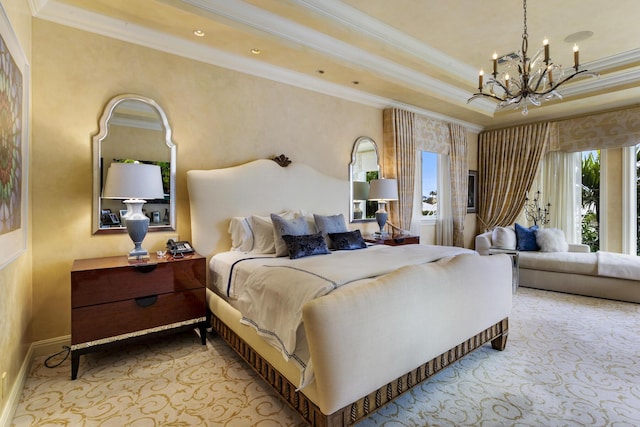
{"x":179,"y":249}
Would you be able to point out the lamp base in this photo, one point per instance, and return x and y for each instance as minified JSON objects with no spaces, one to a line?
{"x":357,"y":212}
{"x":137,"y":225}
{"x":381,"y":219}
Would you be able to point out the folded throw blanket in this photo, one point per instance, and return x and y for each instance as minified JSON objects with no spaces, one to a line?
{"x":621,"y":266}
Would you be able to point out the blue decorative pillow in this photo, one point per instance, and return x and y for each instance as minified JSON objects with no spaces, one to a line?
{"x":347,"y":241}
{"x":330,"y":224}
{"x":526,"y":238}
{"x":281,"y":226}
{"x":305,"y":245}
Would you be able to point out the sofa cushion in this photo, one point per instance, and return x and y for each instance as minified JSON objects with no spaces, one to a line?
{"x":526,"y":238}
{"x":551,"y":240}
{"x":562,"y":262}
{"x":504,"y":238}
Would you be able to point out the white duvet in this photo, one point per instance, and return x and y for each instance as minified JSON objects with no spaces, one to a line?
{"x":273,"y":291}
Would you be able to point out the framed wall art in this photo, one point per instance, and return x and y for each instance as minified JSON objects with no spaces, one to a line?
{"x":14,"y":98}
{"x":472,"y":198}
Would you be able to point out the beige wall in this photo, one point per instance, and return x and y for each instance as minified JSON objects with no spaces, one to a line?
{"x":219,"y":118}
{"x":15,"y":278}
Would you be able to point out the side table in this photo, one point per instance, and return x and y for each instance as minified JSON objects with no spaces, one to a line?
{"x":392,"y":240}
{"x":113,"y":300}
{"x":514,"y":254}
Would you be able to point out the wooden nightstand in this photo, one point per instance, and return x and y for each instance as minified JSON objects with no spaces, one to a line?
{"x":393,"y":241}
{"x":113,"y":300}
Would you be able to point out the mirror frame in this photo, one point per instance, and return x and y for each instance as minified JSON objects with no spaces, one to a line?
{"x":354,"y":153}
{"x":97,"y":141}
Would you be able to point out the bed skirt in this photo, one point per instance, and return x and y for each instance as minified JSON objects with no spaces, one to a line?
{"x":365,"y":406}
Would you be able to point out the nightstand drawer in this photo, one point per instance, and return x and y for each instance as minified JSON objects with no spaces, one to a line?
{"x":91,"y":287}
{"x":122,"y":317}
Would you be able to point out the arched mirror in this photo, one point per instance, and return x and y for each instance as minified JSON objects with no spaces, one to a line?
{"x":364,"y":167}
{"x":133,"y":128}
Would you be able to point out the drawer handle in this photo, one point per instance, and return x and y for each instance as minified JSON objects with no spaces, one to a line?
{"x":399,"y":240}
{"x":147,"y":301}
{"x":145,"y":268}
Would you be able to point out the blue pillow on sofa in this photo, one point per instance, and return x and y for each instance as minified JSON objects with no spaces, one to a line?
{"x":526,"y":238}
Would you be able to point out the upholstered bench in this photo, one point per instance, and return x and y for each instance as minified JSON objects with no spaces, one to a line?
{"x":574,"y":269}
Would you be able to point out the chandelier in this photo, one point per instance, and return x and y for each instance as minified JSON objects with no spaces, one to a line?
{"x":525,"y":80}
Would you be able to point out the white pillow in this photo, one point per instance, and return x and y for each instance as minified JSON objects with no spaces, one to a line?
{"x":504,"y":237}
{"x":551,"y":240}
{"x":241,"y":235}
{"x":262,"y":228}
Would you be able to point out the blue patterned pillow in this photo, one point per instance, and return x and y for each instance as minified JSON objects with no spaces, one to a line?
{"x":347,"y":241}
{"x":526,"y":238}
{"x":305,"y":245}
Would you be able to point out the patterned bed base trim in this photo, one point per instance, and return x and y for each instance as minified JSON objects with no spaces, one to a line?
{"x":365,"y":406}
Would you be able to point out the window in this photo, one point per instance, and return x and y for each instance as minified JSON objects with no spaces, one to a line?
{"x":429,"y":184}
{"x":591,"y":199}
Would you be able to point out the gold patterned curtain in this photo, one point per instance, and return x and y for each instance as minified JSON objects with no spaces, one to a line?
{"x":507,"y":163}
{"x":459,"y":181}
{"x":400,"y":162}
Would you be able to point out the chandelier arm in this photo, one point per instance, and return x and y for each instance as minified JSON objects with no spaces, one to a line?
{"x":506,"y":90}
{"x":566,"y":79}
{"x":486,"y":95}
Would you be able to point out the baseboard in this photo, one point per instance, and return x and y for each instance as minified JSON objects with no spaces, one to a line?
{"x":36,"y":349}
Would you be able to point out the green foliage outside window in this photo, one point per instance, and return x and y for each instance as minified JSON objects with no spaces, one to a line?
{"x":591,"y":200}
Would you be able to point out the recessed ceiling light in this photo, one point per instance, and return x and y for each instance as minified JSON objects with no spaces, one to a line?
{"x":256,"y":51}
{"x":578,"y":37}
{"x":198,"y":33}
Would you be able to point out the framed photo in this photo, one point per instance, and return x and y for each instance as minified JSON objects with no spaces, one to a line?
{"x":14,"y":73}
{"x":472,"y":198}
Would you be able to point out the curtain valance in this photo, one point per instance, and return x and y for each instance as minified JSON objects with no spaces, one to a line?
{"x":612,"y":129}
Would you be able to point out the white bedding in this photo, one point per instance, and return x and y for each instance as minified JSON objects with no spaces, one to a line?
{"x":270,"y":292}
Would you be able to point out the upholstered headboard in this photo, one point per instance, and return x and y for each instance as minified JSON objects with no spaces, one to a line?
{"x":259,"y":187}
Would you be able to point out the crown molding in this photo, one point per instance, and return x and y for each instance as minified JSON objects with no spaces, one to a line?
{"x":275,"y":25}
{"x":125,"y":31}
{"x":366,"y":25}
{"x":603,"y":82}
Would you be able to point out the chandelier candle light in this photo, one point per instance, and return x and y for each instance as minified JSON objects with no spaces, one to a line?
{"x":527,"y":80}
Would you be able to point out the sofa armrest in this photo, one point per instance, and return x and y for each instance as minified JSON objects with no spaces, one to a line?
{"x":483,"y":243}
{"x":579,"y":247}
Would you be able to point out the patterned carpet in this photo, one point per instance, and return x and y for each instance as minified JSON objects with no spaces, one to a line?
{"x":570,"y":361}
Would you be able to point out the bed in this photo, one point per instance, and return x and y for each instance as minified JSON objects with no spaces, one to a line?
{"x":359,"y":327}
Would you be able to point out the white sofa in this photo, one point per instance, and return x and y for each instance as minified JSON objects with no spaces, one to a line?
{"x":574,"y":271}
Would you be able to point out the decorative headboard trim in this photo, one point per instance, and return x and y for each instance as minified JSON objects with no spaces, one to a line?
{"x":282,"y":160}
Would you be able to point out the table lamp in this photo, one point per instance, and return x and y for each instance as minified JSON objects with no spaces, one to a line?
{"x":382,"y":191}
{"x":134,"y":182}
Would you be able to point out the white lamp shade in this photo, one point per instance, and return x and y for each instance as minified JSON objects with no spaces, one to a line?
{"x":133,"y":181}
{"x":360,"y":190}
{"x":383,"y":190}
